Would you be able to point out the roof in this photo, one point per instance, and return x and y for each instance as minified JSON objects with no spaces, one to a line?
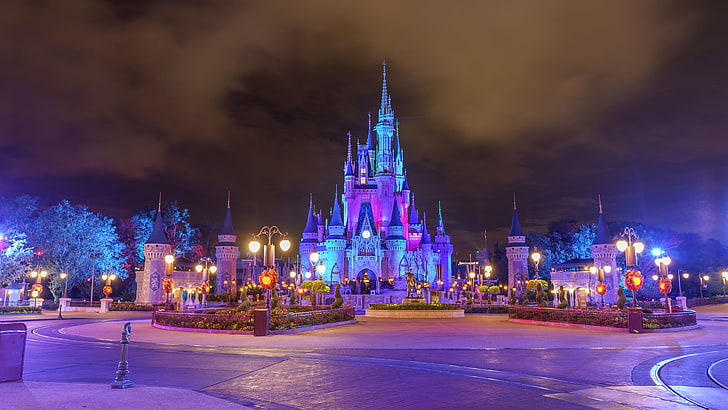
{"x":157,"y":235}
{"x":515,"y":225}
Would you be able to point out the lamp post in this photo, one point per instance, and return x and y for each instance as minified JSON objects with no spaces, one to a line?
{"x":64,"y":276}
{"x":269,"y":254}
{"x":37,"y":288}
{"x":631,"y":246}
{"x":168,"y":283}
{"x":206,"y":269}
{"x":724,"y":275}
{"x":314,"y":258}
{"x":536,"y":258}
{"x":107,"y":278}
{"x":681,"y":275}
{"x":703,"y":278}
{"x":600,"y":272}
{"x":488,"y":271}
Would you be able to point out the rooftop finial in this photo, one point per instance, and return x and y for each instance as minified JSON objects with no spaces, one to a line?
{"x":600,"y":203}
{"x":514,"y":201}
{"x":228,"y":204}
{"x":159,"y":205}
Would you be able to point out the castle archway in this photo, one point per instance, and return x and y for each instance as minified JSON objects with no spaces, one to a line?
{"x":366,"y":281}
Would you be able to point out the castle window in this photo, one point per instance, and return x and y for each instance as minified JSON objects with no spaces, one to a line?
{"x":363,"y":180}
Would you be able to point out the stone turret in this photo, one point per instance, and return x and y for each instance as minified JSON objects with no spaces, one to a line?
{"x":517,"y":255}
{"x":604,"y":252}
{"x":227,"y":253}
{"x":149,"y":281}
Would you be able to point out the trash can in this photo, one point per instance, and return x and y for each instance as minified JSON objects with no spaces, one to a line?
{"x":12,"y":350}
{"x":634,"y":320}
{"x":261,"y":322}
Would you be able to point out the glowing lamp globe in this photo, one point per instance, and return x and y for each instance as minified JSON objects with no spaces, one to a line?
{"x":198,"y":268}
{"x":314,"y":257}
{"x":622,"y":245}
{"x":592,"y":269}
{"x":320,"y":268}
{"x":254,"y":246}
{"x":213,"y":269}
{"x":285,"y":245}
{"x":638,"y":247}
{"x":169,"y":258}
{"x":607,"y":269}
{"x":656,"y":252}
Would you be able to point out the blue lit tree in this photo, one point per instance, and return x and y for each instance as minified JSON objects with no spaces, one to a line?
{"x":180,"y":232}
{"x":76,"y":241}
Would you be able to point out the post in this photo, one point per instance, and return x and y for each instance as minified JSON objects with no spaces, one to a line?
{"x":122,"y":380}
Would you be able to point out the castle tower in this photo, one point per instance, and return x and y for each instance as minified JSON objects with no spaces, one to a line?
{"x":517,"y":255}
{"x":149,"y":281}
{"x":309,"y":238}
{"x":335,"y":245}
{"x":396,"y":244}
{"x":443,"y":249}
{"x":604,"y":252}
{"x":227,"y":253}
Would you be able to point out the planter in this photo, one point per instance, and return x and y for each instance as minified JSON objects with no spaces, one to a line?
{"x":415,"y":314}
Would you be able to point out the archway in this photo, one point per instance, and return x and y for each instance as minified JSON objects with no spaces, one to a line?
{"x":366,"y":281}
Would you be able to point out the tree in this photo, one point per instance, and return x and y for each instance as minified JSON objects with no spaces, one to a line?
{"x":338,"y":300}
{"x":179,"y":231}
{"x":76,"y":241}
{"x":15,"y":257}
{"x":315,"y":287}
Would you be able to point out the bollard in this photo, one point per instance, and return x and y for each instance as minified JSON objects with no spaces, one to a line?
{"x":122,"y":381}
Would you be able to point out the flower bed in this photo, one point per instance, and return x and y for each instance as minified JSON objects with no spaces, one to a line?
{"x":602,"y":317}
{"x":413,"y":306}
{"x":493,"y":309}
{"x":129,"y":306}
{"x":19,"y":310}
{"x":243,"y":322}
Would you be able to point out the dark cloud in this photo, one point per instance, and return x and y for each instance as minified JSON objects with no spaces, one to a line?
{"x":555,"y":100}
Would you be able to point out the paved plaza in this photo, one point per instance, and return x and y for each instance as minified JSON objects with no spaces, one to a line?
{"x":480,"y":361}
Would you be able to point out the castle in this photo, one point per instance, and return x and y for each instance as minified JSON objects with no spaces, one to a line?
{"x":381,"y":236}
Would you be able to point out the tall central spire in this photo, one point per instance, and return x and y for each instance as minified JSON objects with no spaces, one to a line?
{"x":385,"y":109}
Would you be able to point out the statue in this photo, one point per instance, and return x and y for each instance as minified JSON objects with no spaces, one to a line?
{"x":411,"y":284}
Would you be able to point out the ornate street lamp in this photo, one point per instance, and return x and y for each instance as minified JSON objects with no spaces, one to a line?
{"x":724,"y":275}
{"x":314,"y":258}
{"x":269,"y":277}
{"x":208,"y":267}
{"x":37,"y":288}
{"x":703,"y":278}
{"x":601,"y":287}
{"x":631,"y":246}
{"x":108,"y":277}
{"x":488,"y":271}
{"x":168,"y":282}
{"x":63,"y":276}
{"x":536,"y":258}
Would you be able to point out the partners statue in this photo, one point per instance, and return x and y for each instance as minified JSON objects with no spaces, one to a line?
{"x":411,"y":284}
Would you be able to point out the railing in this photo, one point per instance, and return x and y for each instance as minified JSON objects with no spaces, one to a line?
{"x":603,"y":318}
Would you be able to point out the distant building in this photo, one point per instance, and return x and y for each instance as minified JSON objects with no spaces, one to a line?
{"x":381,"y":235}
{"x":576,"y":275}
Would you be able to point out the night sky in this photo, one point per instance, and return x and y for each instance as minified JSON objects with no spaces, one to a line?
{"x":108,"y":103}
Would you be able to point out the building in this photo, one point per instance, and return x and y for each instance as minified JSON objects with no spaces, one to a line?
{"x":581,"y":276}
{"x":376,"y":235}
{"x":517,"y":255}
{"x":187,"y":281}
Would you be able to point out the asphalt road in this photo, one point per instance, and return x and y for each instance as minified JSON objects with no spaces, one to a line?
{"x":474,"y":362}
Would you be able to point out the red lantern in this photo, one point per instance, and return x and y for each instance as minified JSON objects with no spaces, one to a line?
{"x":168,"y":284}
{"x":268,"y":279}
{"x":633,"y":280}
{"x":665,"y":285}
{"x":206,"y":288}
{"x":601,"y":289}
{"x":107,"y":290}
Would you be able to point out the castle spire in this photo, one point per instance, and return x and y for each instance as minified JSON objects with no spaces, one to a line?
{"x":515,"y":222}
{"x":370,"y":141}
{"x":158,"y":235}
{"x":425,"y":235}
{"x":602,"y":235}
{"x":227,"y":225}
{"x":349,"y":167}
{"x":440,"y":223}
{"x":414,"y":216}
{"x":311,"y":223}
{"x":336,"y":213}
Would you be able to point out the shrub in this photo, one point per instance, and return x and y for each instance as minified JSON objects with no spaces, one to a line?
{"x":245,"y":305}
{"x":19,"y":310}
{"x":539,"y":295}
{"x":563,"y":300}
{"x":274,"y":299}
{"x":621,"y":299}
{"x":338,"y":301}
{"x":129,"y":306}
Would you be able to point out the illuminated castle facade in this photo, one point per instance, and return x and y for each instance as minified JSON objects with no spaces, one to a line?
{"x":374,"y":233}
